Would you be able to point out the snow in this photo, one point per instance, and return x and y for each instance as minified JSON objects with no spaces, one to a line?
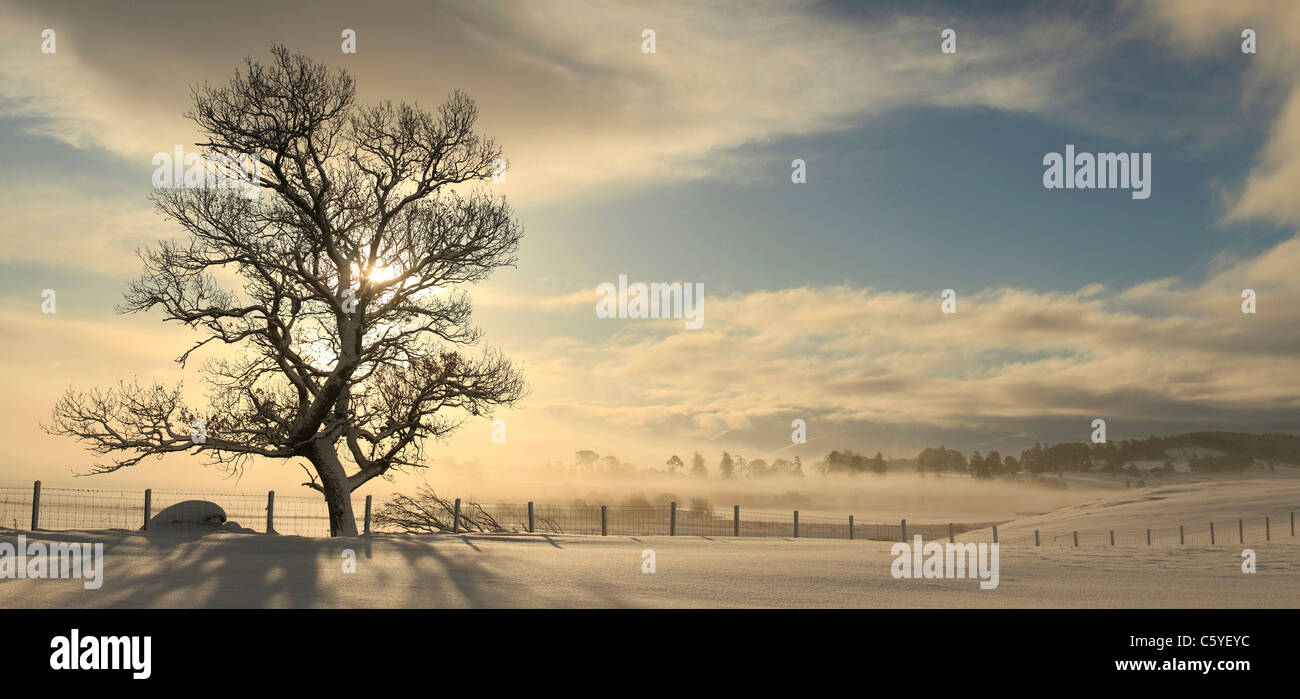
{"x":1179,"y":466}
{"x":1169,"y":505}
{"x":224,"y":570}
{"x":221,"y":569}
{"x":190,"y":514}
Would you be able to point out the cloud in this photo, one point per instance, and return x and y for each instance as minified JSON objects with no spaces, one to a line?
{"x":488,"y":296}
{"x":42,"y":355}
{"x":570,"y":95}
{"x":63,"y":226}
{"x":1207,"y":28}
{"x":581,"y":110}
{"x":1167,"y":350}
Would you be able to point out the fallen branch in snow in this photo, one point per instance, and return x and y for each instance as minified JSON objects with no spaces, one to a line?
{"x":426,"y":512}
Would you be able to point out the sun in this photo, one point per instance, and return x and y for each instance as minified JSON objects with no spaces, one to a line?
{"x":382,"y":273}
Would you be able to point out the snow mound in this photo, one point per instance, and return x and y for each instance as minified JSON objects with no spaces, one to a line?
{"x":190,"y":514}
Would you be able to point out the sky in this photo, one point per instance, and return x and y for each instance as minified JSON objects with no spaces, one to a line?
{"x":924,"y":172}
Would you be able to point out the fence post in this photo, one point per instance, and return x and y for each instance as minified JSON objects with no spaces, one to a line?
{"x":672,"y":518}
{"x":1293,"y":523}
{"x":904,"y":527}
{"x":1148,"y":537}
{"x":36,"y":506}
{"x":148,"y":506}
{"x":604,"y":520}
{"x":735,"y":520}
{"x":270,"y":512}
{"x":455,"y":518}
{"x":1268,"y":531}
{"x":1241,"y":531}
{"x":951,"y":540}
{"x":1076,"y":539}
{"x":995,"y":533}
{"x":1112,"y":537}
{"x":531,"y":521}
{"x":367,"y":526}
{"x":796,"y":524}
{"x":1211,"y":533}
{"x":1036,"y":537}
{"x":1181,"y":540}
{"x":850,"y":527}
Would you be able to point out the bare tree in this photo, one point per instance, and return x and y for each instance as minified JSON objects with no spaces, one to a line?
{"x":348,"y":314}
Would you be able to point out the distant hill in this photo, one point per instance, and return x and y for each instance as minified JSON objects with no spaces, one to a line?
{"x":1193,"y":451}
{"x":1201,"y":451}
{"x":1266,"y":447}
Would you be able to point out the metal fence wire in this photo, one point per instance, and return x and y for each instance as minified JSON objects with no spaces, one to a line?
{"x":68,"y":508}
{"x":30,"y":508}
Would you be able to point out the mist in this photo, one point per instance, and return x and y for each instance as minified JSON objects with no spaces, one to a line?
{"x":870,"y":498}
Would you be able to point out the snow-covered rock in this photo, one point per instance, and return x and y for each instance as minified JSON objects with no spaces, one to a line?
{"x":190,"y":514}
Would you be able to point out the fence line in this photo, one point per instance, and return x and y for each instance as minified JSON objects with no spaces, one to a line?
{"x":70,"y":508}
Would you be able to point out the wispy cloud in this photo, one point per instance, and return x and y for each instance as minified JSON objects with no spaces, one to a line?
{"x":584,"y":109}
{"x":1201,"y":28}
{"x":1168,"y":348}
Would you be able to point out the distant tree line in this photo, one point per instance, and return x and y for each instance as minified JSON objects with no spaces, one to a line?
{"x":1238,"y":451}
{"x":730,"y":466}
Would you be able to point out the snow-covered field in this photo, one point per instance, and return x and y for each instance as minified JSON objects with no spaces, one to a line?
{"x":249,"y":570}
{"x":1169,"y":505}
{"x":220,"y":569}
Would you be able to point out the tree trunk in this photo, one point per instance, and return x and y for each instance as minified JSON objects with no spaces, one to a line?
{"x":342,"y":521}
{"x":338,"y":496}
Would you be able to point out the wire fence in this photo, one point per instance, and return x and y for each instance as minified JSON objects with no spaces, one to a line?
{"x":69,"y":508}
{"x":73,"y":509}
